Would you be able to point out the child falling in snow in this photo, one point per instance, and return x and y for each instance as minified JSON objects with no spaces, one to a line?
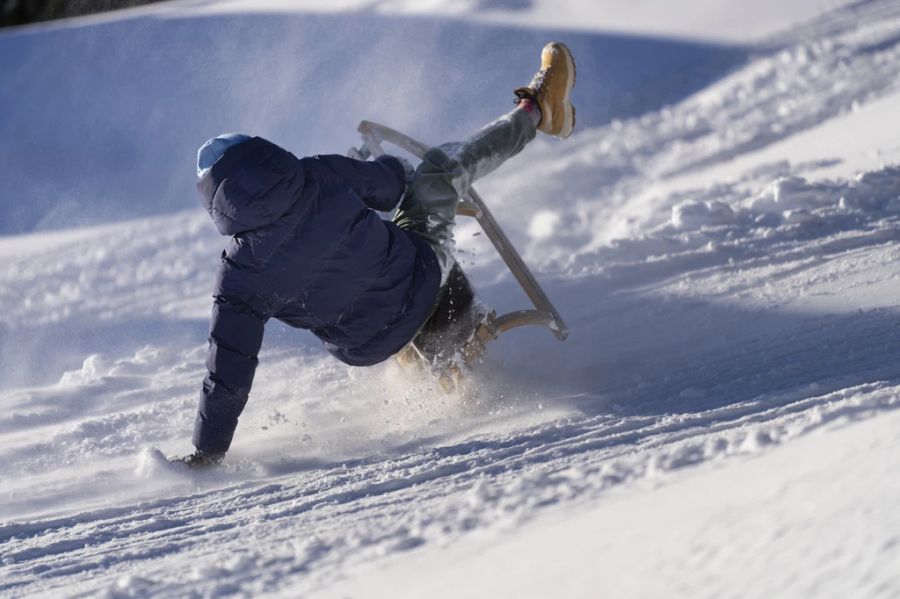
{"x":308,"y":248}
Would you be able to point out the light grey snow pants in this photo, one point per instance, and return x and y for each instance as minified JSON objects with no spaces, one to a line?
{"x":443,"y":177}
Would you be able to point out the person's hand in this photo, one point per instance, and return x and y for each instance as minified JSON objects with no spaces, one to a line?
{"x":200,"y":459}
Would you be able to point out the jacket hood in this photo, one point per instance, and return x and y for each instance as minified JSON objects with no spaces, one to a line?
{"x":251,"y":186}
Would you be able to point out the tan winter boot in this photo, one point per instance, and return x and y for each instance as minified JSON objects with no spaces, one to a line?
{"x":551,"y":88}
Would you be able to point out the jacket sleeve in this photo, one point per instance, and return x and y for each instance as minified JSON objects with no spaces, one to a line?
{"x":380,"y":182}
{"x":236,"y":334}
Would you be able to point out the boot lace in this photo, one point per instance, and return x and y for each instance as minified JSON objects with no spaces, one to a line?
{"x":534,"y":88}
{"x":539,"y":79}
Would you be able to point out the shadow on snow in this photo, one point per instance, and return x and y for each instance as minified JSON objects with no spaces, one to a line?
{"x":117,"y":139}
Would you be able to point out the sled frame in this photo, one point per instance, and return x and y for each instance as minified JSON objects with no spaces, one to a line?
{"x":544,"y":312}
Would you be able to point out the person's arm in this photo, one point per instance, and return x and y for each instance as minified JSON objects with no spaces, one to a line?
{"x":236,"y":333}
{"x":380,"y":182}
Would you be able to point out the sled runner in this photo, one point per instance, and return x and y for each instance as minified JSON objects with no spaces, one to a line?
{"x":457,"y":333}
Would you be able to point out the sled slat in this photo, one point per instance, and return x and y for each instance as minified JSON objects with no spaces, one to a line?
{"x":472,"y":205}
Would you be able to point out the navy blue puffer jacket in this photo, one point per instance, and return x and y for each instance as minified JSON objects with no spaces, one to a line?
{"x":308,"y":249}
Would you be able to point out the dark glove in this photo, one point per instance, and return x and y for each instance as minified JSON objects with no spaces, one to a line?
{"x":201,"y":459}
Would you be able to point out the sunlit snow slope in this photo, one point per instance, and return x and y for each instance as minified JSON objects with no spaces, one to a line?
{"x":721,"y":234}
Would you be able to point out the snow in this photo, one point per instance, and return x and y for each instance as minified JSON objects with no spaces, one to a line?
{"x":159,"y":101}
{"x":701,"y":19}
{"x":718,"y":531}
{"x":722,"y":420}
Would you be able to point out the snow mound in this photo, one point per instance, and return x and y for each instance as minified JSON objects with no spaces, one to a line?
{"x":795,"y":200}
{"x":152,"y":463}
{"x":870,"y":191}
{"x":694,"y":214}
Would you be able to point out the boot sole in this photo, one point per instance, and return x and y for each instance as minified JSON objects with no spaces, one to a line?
{"x":569,"y":111}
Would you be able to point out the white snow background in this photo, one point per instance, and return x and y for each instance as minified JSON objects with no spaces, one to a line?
{"x":721,"y":234}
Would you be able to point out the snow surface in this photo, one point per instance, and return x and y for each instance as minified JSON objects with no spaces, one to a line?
{"x":701,"y":19}
{"x":722,"y":421}
{"x":713,"y":532}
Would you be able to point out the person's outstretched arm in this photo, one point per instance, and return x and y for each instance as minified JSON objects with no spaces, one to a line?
{"x":236,"y":333}
{"x":380,"y":183}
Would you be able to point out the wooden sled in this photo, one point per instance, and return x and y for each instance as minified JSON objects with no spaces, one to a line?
{"x":458,"y":332}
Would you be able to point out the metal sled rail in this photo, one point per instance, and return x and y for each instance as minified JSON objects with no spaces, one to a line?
{"x":544,"y":314}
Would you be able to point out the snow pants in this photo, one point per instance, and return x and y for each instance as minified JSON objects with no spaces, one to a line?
{"x":445,"y":174}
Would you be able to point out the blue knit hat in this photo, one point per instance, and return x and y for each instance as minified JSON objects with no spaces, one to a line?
{"x":214,"y":148}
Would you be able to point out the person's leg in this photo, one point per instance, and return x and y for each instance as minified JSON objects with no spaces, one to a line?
{"x":447,"y":171}
{"x":493,"y":145}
